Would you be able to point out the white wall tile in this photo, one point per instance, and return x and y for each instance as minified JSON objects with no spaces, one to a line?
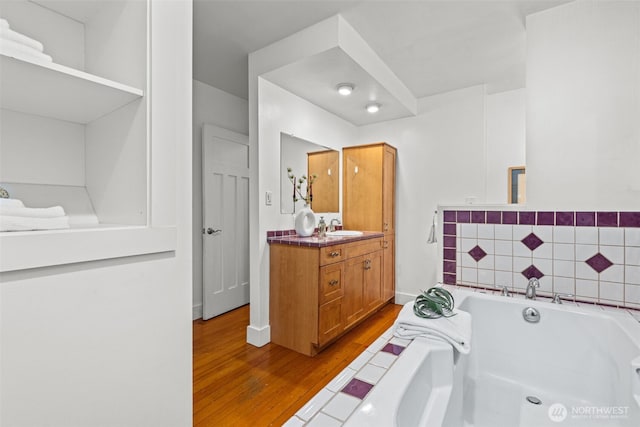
{"x":546,"y":286}
{"x":587,"y":235}
{"x":504,"y":278}
{"x":469,"y":275}
{"x":361,"y":360}
{"x":615,"y":254}
{"x":611,"y":236}
{"x":467,"y":260}
{"x":383,"y":359}
{"x":615,"y":273}
{"x":632,"y":274}
{"x":632,"y":255}
{"x":632,"y":294}
{"x":564,"y":268}
{"x":612,"y":291}
{"x":584,"y":252}
{"x":544,"y":265}
{"x":487,"y":245}
{"x":469,"y":231}
{"x":632,"y":236}
{"x":519,"y":281}
{"x":587,"y":288}
{"x":504,"y":232}
{"x":584,"y":271}
{"x":544,"y":232}
{"x":324,"y":420}
{"x":545,"y":250}
{"x":487,"y":262}
{"x":293,"y":422}
{"x":564,"y":285}
{"x":519,"y":249}
{"x":563,"y":234}
{"x":521,"y":231}
{"x":341,"y":406}
{"x":467,"y":244}
{"x":486,"y":277}
{"x":486,"y":231}
{"x":371,"y":374}
{"x":520,"y":263}
{"x":503,"y":247}
{"x":564,"y":251}
{"x":503,"y":263}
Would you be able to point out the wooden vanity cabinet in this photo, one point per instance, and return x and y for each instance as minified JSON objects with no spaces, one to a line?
{"x":369,"y":181}
{"x":318,"y":293}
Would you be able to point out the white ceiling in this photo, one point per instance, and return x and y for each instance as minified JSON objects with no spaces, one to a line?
{"x":431,"y":46}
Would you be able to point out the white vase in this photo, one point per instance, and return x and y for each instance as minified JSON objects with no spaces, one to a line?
{"x":305,"y":222}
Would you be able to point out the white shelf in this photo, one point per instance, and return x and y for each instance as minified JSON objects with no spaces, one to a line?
{"x":59,"y":92}
{"x":32,"y":249}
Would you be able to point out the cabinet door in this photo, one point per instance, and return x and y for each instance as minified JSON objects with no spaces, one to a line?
{"x":388,"y":267}
{"x":372,"y":265}
{"x":388,"y":189}
{"x":329,"y":321}
{"x":353,"y":304}
{"x":330,"y":282}
{"x":362,"y":189}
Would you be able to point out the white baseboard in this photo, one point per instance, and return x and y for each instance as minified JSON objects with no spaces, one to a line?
{"x":196,"y":312}
{"x":258,"y":336}
{"x":403,"y":298}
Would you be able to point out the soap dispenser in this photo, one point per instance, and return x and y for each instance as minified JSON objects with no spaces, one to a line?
{"x":322,"y":228}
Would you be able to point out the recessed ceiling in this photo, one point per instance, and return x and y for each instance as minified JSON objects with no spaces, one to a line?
{"x":432,"y":46}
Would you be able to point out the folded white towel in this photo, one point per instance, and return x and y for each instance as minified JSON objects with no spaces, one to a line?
{"x":9,"y":34}
{"x":17,"y":50}
{"x":19,"y":223}
{"x":53,"y":212}
{"x":455,"y":329}
{"x":11,"y":203}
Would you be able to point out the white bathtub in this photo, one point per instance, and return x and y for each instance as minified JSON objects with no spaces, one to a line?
{"x":582,"y":364}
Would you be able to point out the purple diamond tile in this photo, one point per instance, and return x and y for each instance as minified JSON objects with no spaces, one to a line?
{"x":477,"y":253}
{"x":449,"y":241}
{"x":532,"y":271}
{"x":494,"y":217}
{"x":449,"y":279}
{"x":546,"y":218}
{"x":629,"y":219}
{"x":357,"y":388}
{"x":449,"y":216}
{"x":564,"y":218}
{"x":392,"y":348}
{"x":478,"y":217}
{"x":599,"y":262}
{"x":607,"y":219}
{"x":509,"y":217}
{"x":449,"y":229}
{"x":449,"y":254}
{"x":585,"y":219}
{"x":532,"y":241}
{"x":449,"y":266}
{"x":463,"y":216}
{"x":527,"y":218}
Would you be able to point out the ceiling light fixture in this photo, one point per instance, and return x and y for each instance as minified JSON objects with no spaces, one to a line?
{"x":345,"y":89}
{"x":373,"y":107}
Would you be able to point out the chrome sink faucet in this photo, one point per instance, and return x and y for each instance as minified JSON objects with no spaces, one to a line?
{"x":531,"y":288}
{"x":332,"y":226}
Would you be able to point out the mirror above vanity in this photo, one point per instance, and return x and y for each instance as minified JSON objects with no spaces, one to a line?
{"x":308,"y":158}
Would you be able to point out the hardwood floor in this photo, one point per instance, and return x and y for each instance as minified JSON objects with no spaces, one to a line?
{"x":237,"y":384}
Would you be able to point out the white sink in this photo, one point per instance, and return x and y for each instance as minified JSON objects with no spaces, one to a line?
{"x":344,"y":233}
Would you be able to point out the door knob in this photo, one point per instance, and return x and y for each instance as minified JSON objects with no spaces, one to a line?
{"x":212,"y":231}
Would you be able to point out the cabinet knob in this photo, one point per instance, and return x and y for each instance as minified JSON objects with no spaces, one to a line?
{"x":333,"y":282}
{"x":334,"y":254}
{"x":367,"y":264}
{"x":385,"y":226}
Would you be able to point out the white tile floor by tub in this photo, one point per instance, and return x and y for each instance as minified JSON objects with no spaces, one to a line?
{"x":314,"y":405}
{"x":341,"y":406}
{"x":383,"y":360}
{"x":371,"y":374}
{"x":341,"y":379}
{"x":324,"y":420}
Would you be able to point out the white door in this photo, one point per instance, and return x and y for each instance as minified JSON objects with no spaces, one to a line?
{"x":225,"y":234}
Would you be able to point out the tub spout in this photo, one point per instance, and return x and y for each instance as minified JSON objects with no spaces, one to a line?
{"x":531,"y":288}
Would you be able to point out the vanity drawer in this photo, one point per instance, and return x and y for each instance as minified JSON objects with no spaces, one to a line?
{"x":361,"y":248}
{"x":331,"y":254}
{"x":331,"y":282}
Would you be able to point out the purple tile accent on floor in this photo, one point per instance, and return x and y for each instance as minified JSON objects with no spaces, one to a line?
{"x":599,"y":262}
{"x":449,"y":266}
{"x":585,"y":219}
{"x":449,"y":241}
{"x":494,"y":217}
{"x":564,"y":218}
{"x":476,"y":253}
{"x":393,"y":348}
{"x":449,"y":254}
{"x":449,"y":216}
{"x":629,"y":219}
{"x":532,"y":241}
{"x":607,"y":219}
{"x":546,"y":218}
{"x":509,"y":217}
{"x":357,"y":388}
{"x":532,"y":271}
{"x":463,"y":216}
{"x":478,"y":217}
{"x":449,"y":229}
{"x":449,"y":279}
{"x":527,"y":218}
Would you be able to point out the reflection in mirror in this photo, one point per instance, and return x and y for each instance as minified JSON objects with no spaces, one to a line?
{"x":517,"y":185}
{"x":301,"y":155}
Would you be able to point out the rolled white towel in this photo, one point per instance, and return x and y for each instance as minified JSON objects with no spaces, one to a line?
{"x":11,"y":203}
{"x":52,"y":212}
{"x":19,"y":223}
{"x":9,"y":34}
{"x":17,"y":50}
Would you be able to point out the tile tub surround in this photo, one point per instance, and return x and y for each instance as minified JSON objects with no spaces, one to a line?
{"x":594,"y":255}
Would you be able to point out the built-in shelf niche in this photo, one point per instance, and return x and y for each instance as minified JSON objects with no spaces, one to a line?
{"x":76,"y":130}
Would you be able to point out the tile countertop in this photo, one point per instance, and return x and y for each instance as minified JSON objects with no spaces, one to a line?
{"x":315,"y":242}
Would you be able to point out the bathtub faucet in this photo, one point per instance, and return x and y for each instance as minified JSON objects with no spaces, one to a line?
{"x":531,"y":288}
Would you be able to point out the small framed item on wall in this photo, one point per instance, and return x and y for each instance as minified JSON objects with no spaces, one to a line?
{"x":517,"y":189}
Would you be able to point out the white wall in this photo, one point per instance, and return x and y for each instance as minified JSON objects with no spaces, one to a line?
{"x":211,"y":106}
{"x":439,"y":161}
{"x":583,"y":105}
{"x":109,"y":342}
